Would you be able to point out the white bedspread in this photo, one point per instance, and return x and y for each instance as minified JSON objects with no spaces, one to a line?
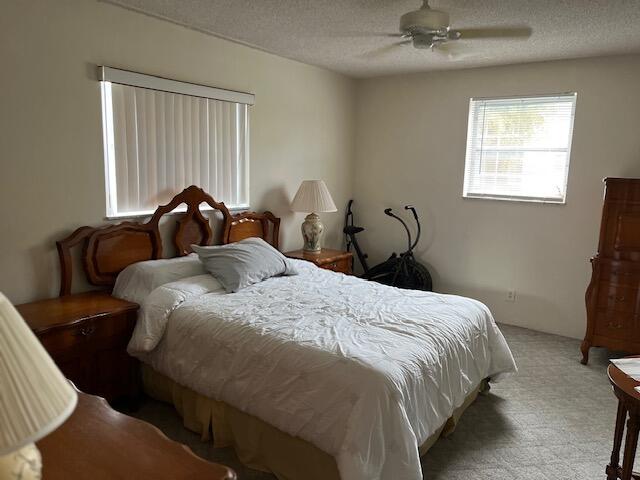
{"x":363,"y":371}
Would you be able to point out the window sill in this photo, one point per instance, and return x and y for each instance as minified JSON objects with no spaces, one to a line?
{"x":177,"y":210}
{"x":518,"y":200}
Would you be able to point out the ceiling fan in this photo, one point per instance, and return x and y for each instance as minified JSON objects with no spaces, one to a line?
{"x":430,"y":28}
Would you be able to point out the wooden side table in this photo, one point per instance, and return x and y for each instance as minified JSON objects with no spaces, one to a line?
{"x":87,"y":334}
{"x":629,"y":412}
{"x":98,"y":443}
{"x":336,"y":260}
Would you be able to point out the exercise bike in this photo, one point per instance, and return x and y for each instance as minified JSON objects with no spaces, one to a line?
{"x":399,"y":270}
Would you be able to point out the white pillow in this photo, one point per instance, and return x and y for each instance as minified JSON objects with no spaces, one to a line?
{"x":139,"y":279}
{"x":240,"y":264}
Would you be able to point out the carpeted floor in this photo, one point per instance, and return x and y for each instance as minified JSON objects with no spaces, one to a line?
{"x":553,"y":420}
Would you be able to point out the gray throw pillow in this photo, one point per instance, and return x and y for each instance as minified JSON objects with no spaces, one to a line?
{"x":240,"y":264}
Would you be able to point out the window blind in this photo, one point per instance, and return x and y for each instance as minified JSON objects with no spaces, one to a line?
{"x":158,"y":142}
{"x":519,"y":148}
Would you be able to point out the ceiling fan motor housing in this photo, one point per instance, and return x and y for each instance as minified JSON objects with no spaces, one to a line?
{"x":423,"y":21}
{"x":424,"y":41}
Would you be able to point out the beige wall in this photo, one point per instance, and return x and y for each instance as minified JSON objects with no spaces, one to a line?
{"x":411,"y":133}
{"x":52,"y":179}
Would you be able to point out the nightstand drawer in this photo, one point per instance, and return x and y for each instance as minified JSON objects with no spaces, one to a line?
{"x":336,"y":260}
{"x":87,"y":334}
{"x":103,"y":330}
{"x":343,"y":265}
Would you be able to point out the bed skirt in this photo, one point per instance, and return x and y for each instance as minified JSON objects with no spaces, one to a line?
{"x":257,"y":444}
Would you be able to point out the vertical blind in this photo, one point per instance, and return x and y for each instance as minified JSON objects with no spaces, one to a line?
{"x":157,"y":143}
{"x":519,"y":148}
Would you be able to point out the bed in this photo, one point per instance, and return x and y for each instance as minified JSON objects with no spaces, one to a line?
{"x":316,"y":375}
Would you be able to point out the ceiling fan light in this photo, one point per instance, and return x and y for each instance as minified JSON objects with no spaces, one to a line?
{"x":423,"y":20}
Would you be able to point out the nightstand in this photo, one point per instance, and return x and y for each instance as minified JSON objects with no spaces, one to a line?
{"x":86,"y":335}
{"x":336,"y":260}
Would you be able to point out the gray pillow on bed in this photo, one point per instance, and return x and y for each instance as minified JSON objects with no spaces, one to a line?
{"x":240,"y":264}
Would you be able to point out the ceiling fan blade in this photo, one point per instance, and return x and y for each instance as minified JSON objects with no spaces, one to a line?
{"x":360,"y":35}
{"x":384,"y":49}
{"x":453,"y":51}
{"x":448,"y":49}
{"x":491,"y":32}
{"x":443,"y":52}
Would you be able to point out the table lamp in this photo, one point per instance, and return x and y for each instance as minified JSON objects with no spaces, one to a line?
{"x":313,"y":196}
{"x":35,"y":398}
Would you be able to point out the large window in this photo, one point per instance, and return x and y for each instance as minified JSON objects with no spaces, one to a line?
{"x":162,"y":136}
{"x":519,"y":148}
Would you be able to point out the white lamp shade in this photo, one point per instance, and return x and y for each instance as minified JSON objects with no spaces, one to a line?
{"x":35,"y":398}
{"x":313,"y":196}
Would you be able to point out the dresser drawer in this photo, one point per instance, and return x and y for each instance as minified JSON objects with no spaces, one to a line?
{"x":104,"y":331}
{"x":612,"y":296}
{"x":620,"y":274}
{"x":612,"y":324}
{"x":343,"y":265}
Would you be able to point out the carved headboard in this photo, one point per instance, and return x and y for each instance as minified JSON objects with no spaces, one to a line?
{"x":108,"y":250}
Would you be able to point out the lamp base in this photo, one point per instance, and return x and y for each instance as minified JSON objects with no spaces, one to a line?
{"x":312,"y":230}
{"x":23,"y":464}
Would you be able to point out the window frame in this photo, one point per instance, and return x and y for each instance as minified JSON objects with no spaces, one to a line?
{"x":520,"y":198}
{"x":109,"y":75}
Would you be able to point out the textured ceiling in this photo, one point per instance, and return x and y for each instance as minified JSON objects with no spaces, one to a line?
{"x":339,"y":34}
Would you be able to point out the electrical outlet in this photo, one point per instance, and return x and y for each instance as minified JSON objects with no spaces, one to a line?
{"x":511,"y":295}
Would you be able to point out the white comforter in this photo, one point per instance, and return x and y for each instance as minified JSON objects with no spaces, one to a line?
{"x":363,"y":371}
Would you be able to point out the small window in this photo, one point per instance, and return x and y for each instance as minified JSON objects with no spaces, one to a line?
{"x":519,"y":148}
{"x":159,"y":141}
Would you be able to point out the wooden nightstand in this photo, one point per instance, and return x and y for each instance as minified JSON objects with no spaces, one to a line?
{"x":336,"y":260}
{"x":87,"y":335}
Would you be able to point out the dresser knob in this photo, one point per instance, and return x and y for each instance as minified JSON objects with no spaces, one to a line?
{"x":87,"y":331}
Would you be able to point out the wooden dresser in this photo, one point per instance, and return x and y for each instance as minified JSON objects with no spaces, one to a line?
{"x":98,"y":443}
{"x":86,"y":334}
{"x":613,"y":295}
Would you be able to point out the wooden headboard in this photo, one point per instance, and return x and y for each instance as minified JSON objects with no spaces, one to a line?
{"x":109,"y":249}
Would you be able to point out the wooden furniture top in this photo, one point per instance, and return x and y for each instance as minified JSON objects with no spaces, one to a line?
{"x":620,"y":224}
{"x":44,"y":315}
{"x":108,"y":250}
{"x":621,"y":179}
{"x":623,"y":383}
{"x":326,"y":255}
{"x":99,"y":443}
